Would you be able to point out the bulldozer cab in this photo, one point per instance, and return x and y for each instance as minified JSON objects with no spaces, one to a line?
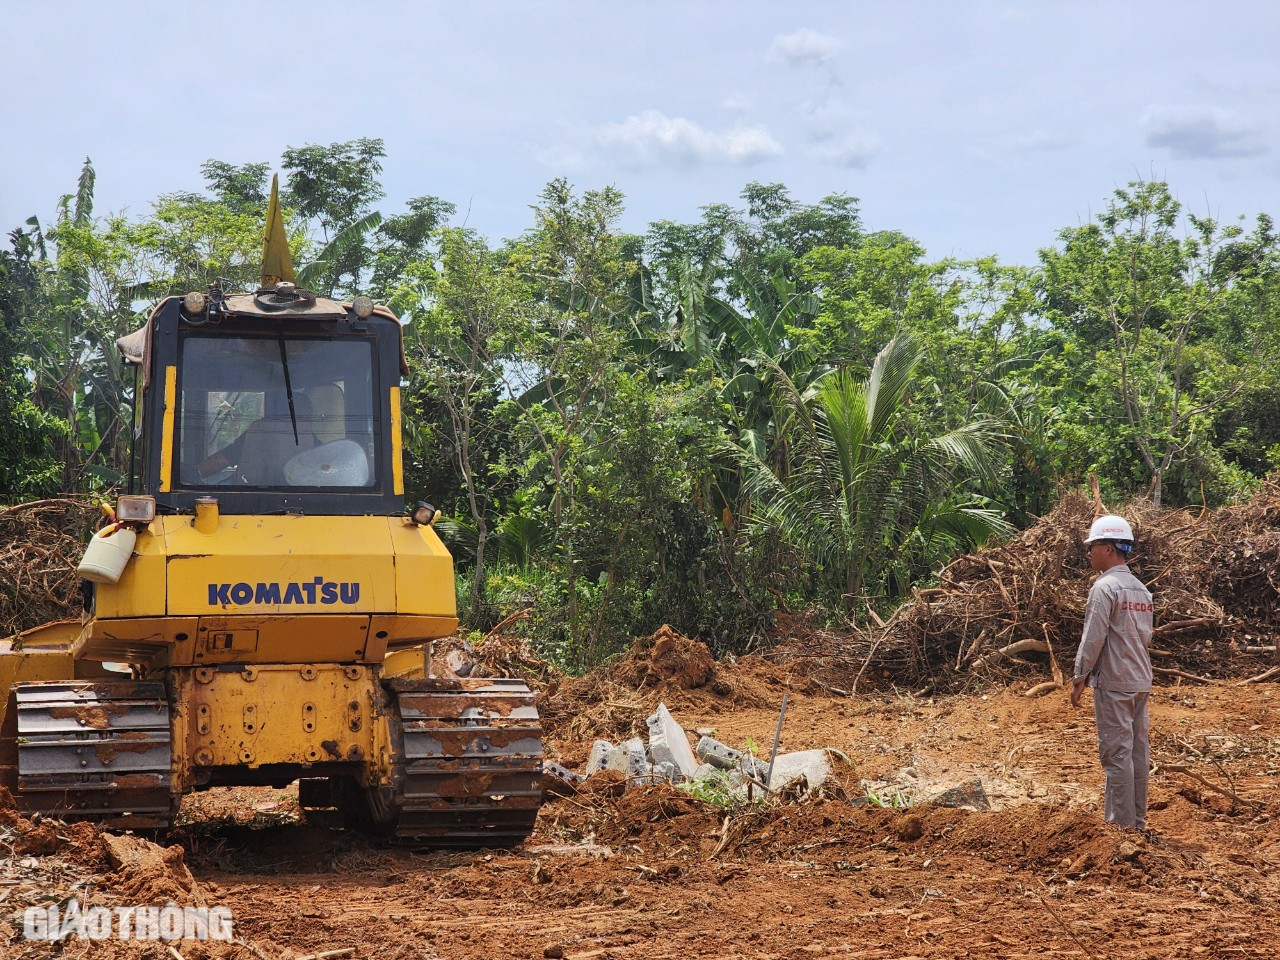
{"x":273,"y":402}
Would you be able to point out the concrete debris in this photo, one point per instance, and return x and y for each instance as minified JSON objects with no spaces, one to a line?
{"x":721,"y":757}
{"x":704,"y":770}
{"x":717,"y":754}
{"x":629,"y":758}
{"x":460,"y":661}
{"x":582,"y":851}
{"x":668,"y":742}
{"x":560,"y":780}
{"x":813,"y":765}
{"x":599,"y":756}
{"x":669,"y":758}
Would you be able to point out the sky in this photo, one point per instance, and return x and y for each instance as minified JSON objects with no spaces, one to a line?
{"x":978,"y":128}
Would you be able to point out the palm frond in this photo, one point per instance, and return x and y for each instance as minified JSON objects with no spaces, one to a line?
{"x":973,"y":448}
{"x":83,"y":212}
{"x":891,"y":377}
{"x":353,"y":234}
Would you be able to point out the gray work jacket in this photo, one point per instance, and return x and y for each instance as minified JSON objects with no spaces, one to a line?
{"x":1117,"y":633}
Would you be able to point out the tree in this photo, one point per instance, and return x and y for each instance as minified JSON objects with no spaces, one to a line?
{"x":188,"y":242}
{"x":241,"y":189}
{"x":866,"y":499}
{"x":455,"y":348}
{"x":559,"y":353}
{"x":28,"y":469}
{"x":1171,"y":328}
{"x":776,"y":230}
{"x":87,"y":278}
{"x":336,"y":186}
{"x":404,"y":241}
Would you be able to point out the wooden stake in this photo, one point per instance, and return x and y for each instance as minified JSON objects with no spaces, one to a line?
{"x":777,"y":737}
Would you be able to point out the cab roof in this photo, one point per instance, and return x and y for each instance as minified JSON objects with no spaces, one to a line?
{"x":135,"y":347}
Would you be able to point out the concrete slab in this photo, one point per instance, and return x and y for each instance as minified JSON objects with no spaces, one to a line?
{"x":717,"y":754}
{"x":668,"y":742}
{"x":629,"y":758}
{"x":599,"y":756}
{"x":667,"y":771}
{"x":559,"y":780}
{"x":813,"y":765}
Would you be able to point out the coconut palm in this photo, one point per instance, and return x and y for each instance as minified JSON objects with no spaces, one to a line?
{"x":866,"y":500}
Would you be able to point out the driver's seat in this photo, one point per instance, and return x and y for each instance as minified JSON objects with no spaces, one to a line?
{"x":269,"y":444}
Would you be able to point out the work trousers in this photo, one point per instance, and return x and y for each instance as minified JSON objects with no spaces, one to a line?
{"x":1123,"y":725}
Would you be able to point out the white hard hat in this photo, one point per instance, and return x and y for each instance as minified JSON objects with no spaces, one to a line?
{"x":1110,"y":527}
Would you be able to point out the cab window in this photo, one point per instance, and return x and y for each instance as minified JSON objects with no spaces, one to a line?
{"x":256,"y":414}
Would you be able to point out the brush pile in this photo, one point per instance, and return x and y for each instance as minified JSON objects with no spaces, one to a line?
{"x":40,"y":545}
{"x":1018,"y":608}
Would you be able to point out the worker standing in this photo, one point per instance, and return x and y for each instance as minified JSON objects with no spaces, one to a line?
{"x":1113,"y":658}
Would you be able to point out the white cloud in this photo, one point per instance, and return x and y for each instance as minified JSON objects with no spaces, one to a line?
{"x":804,"y":46}
{"x":1199,"y":132}
{"x":653,"y":137}
{"x":853,"y":150}
{"x":738,"y":104}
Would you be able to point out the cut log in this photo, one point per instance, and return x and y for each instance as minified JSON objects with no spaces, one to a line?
{"x":1019,"y":646}
{"x":1040,"y":689}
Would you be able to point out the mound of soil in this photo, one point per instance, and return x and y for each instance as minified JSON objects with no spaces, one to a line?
{"x":615,"y":699}
{"x":660,"y":820}
{"x":148,"y":872}
{"x":667,"y":660}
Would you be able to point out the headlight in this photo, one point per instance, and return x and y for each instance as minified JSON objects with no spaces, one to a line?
{"x":363,"y":307}
{"x":424,"y":514}
{"x":133,"y":509}
{"x":195,"y":302}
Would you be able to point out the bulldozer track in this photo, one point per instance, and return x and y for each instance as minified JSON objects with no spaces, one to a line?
{"x":95,"y":750}
{"x":468,"y":771}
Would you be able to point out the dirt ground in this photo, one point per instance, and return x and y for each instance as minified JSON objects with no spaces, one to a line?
{"x":654,"y":873}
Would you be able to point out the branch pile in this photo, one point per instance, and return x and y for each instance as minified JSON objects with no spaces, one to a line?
{"x":40,"y":545}
{"x":1018,"y":609}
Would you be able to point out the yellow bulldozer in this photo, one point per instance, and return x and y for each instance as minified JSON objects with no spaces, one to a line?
{"x":262,"y":611}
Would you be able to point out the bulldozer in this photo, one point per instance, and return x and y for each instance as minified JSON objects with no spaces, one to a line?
{"x":261,"y":607}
